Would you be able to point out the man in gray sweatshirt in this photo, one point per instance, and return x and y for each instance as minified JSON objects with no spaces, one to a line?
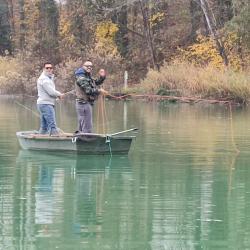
{"x":47,"y":95}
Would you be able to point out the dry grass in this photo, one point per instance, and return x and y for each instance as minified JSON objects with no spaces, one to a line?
{"x":16,"y":75}
{"x":9,"y":70}
{"x":184,"y":79}
{"x":177,"y":79}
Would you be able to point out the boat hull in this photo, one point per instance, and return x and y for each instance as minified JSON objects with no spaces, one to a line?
{"x":90,"y":144}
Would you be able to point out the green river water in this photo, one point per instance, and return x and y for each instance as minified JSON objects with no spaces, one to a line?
{"x":182,"y":186}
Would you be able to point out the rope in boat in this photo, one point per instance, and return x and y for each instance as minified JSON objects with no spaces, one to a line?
{"x":102,"y":121}
{"x":108,"y":140}
{"x":101,"y":115}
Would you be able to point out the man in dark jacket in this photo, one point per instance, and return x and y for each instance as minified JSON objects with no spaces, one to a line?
{"x":87,"y":92}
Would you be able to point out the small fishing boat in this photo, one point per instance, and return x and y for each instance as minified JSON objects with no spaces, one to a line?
{"x":81,"y":143}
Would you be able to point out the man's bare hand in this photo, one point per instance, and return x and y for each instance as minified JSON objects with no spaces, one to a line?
{"x":102,"y":72}
{"x":61,"y":96}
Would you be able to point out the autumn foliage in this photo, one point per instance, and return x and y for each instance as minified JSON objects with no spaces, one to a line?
{"x":136,"y":36}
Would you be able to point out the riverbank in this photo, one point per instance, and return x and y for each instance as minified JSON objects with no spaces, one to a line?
{"x":174,"y":82}
{"x":188,"y":83}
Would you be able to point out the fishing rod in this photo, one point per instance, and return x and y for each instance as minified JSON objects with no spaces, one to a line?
{"x":70,"y":92}
{"x":66,"y":93}
{"x":124,"y":131}
{"x":35,"y":113}
{"x":105,"y":135}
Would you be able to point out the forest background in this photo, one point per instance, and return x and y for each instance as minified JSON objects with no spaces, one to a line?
{"x":198,"y":48}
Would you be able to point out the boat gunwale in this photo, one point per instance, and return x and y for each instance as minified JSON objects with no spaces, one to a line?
{"x":34,"y":135}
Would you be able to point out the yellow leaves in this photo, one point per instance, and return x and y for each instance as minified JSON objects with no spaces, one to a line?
{"x":205,"y":53}
{"x":32,"y":13}
{"x":156,"y":19}
{"x":65,"y":28}
{"x":231,"y":44}
{"x":106,"y":30}
{"x":65,"y":33}
{"x":105,"y":35}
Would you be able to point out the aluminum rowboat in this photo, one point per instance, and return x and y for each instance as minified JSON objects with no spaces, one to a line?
{"x":82,"y":143}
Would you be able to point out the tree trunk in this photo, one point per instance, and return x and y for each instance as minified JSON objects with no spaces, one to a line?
{"x":22,"y":25}
{"x":121,"y":19}
{"x":224,"y":11}
{"x":5,"y":29}
{"x":147,"y":30}
{"x":213,"y":30}
{"x":195,"y":13}
{"x":134,"y":20}
{"x":11,"y":15}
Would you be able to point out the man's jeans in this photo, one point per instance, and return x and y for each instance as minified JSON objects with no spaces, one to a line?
{"x":47,"y":119}
{"x":84,"y":115}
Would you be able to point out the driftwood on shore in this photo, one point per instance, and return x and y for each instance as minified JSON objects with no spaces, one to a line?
{"x":170,"y":98}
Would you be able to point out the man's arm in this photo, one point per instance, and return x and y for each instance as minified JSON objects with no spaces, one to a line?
{"x":50,"y":91}
{"x":100,"y":80}
{"x":102,"y":76}
{"x":85,"y":84}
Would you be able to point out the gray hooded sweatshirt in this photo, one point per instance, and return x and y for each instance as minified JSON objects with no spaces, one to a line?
{"x":47,"y":92}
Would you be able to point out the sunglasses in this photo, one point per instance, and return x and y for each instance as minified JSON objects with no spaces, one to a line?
{"x":48,"y":67}
{"x":89,"y":66}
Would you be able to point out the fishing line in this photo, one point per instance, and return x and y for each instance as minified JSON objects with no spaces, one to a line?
{"x":232,"y":129}
{"x":35,"y":113}
{"x":101,"y":115}
{"x":232,"y":165}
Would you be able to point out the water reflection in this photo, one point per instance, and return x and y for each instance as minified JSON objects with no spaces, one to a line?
{"x":65,"y":195}
{"x":183,"y":187}
{"x":44,"y":196}
{"x":92,"y":175}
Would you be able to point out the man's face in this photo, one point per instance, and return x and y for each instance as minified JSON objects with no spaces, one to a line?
{"x":48,"y":68}
{"x":88,"y":66}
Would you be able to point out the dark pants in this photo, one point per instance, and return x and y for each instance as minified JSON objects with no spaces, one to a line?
{"x":84,"y":115}
{"x":47,"y":119}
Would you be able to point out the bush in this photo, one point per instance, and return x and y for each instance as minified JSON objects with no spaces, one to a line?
{"x":187,"y":79}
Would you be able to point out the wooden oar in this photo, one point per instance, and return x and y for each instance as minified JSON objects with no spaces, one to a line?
{"x":124,"y":131}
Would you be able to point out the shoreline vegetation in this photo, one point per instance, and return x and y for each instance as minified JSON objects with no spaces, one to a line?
{"x":187,"y":51}
{"x":186,"y":82}
{"x":174,"y":82}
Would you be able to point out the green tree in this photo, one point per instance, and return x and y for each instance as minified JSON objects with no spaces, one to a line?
{"x":120,"y":18}
{"x":5,"y":29}
{"x":240,"y":22}
{"x":48,"y":22}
